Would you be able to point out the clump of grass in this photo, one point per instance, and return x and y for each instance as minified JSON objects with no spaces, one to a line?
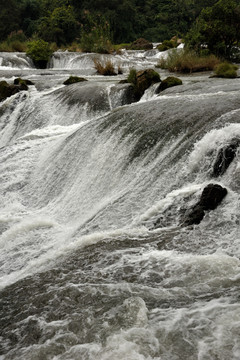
{"x":132,"y":77}
{"x":188,"y":61}
{"x":106,"y":68}
{"x":226,"y":70}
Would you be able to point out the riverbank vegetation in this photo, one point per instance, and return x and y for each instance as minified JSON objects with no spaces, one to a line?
{"x":188,"y":61}
{"x":207,"y":26}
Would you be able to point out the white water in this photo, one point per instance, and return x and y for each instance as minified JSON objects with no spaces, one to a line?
{"x":70,"y":178}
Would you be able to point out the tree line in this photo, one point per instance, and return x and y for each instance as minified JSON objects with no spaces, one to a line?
{"x":214,"y":22}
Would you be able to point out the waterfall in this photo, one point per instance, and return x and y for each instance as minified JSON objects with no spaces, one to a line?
{"x":95,"y":261}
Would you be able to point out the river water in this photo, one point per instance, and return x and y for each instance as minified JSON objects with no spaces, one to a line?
{"x":94,"y":262}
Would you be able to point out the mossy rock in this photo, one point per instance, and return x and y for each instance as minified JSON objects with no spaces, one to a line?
{"x":226,"y":70}
{"x":73,"y":80}
{"x":140,"y":44}
{"x":20,"y":81}
{"x":166,"y":45}
{"x":142,"y":80}
{"x":170,"y":81}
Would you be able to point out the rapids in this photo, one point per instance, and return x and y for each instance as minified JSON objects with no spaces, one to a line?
{"x":85,"y":273}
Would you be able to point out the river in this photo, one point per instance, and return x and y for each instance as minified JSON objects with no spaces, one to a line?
{"x":95,"y":263}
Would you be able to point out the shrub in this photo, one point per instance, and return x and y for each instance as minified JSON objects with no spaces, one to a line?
{"x":166,"y":45}
{"x":40,"y":52}
{"x":96,"y":35}
{"x":132,"y":76}
{"x":16,"y":41}
{"x":226,"y":70}
{"x":186,"y":61}
{"x":17,"y":36}
{"x":104,"y":69}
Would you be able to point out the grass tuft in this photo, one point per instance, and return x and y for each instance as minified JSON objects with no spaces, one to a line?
{"x":226,"y":70}
{"x":187,"y":62}
{"x":106,"y":68}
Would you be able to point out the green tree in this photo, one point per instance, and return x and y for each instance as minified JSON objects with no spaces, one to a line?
{"x":9,"y":17}
{"x":96,"y":35}
{"x":30,"y":13}
{"x":40,"y":52}
{"x":218,"y":29}
{"x":60,"y":26}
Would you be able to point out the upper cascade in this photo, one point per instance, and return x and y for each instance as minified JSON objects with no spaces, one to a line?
{"x":15,"y":61}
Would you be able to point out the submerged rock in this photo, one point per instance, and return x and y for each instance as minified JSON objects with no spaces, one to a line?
{"x":224,"y":158}
{"x":7,"y":90}
{"x":73,"y":80}
{"x":170,"y":81}
{"x":211,"y":197}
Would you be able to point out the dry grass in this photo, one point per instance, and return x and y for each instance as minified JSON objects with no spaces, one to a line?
{"x":188,"y":62}
{"x":106,"y":68}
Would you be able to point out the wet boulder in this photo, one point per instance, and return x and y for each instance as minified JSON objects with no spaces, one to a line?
{"x":170,"y":81}
{"x":73,"y":80}
{"x":20,"y":81}
{"x":142,"y":80}
{"x":224,"y":158}
{"x":7,"y":90}
{"x":211,"y":197}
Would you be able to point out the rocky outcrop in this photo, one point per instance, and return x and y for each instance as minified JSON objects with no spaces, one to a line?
{"x":170,"y":81}
{"x":20,"y":81}
{"x":73,"y":80}
{"x":224,"y":158}
{"x":142,"y":80}
{"x":141,"y":44}
{"x":7,"y":90}
{"x":211,"y":197}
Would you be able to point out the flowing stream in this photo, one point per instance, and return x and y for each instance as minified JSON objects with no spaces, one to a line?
{"x":95,"y":263}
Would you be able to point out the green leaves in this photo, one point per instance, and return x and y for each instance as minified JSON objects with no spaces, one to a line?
{"x":40,"y":52}
{"x":218,"y":27}
{"x":59,"y":26}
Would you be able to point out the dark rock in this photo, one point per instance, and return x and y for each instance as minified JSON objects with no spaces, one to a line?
{"x":224,"y":158}
{"x":211,"y":197}
{"x":167,"y":83}
{"x":73,"y":80}
{"x":128,"y":96}
{"x":142,"y":80}
{"x":141,"y":44}
{"x":7,"y":90}
{"x":194,"y":215}
{"x":19,"y":81}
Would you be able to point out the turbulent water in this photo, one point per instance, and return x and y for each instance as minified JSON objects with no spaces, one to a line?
{"x":95,"y":263}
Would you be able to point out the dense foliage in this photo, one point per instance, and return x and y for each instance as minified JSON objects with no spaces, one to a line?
{"x":96,"y":23}
{"x":218,"y":29}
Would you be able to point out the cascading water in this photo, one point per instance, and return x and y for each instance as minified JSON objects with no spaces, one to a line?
{"x":95,"y":261}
